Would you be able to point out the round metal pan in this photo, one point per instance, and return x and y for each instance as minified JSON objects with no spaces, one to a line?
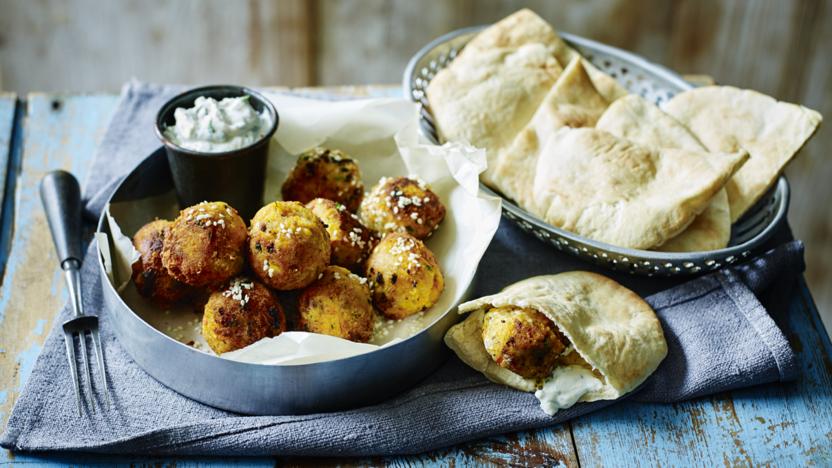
{"x":255,"y":388}
{"x":652,"y":82}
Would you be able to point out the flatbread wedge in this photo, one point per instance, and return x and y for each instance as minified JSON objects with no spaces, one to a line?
{"x":634,"y":118}
{"x":493,"y":87}
{"x":523,"y":27}
{"x":605,"y":84}
{"x":572,"y":102}
{"x":606,"y":188}
{"x":491,"y":90}
{"x":613,"y":331}
{"x":728,"y":119}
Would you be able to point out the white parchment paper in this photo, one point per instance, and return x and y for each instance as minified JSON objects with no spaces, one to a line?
{"x":382,"y":135}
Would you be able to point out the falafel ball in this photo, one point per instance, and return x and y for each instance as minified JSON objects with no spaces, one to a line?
{"x":523,"y":341}
{"x":338,"y":304}
{"x":151,"y":278}
{"x":241,"y":314}
{"x":402,"y":204}
{"x":325,"y":173}
{"x":288,"y":245}
{"x":351,"y":241}
{"x":205,"y":245}
{"x":404,"y":276}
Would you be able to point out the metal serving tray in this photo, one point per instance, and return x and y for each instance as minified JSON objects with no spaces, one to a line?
{"x":654,"y":83}
{"x":256,"y":388}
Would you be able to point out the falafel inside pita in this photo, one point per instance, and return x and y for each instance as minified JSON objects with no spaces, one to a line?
{"x":571,"y":337}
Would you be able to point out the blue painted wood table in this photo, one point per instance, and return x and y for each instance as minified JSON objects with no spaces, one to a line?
{"x":784,"y":424}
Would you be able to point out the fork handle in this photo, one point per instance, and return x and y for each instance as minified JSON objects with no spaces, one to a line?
{"x":61,"y":197}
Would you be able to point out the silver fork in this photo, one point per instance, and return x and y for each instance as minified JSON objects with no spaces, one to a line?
{"x":61,"y":197}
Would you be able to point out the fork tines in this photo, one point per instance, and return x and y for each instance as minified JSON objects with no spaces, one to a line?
{"x":80,"y":326}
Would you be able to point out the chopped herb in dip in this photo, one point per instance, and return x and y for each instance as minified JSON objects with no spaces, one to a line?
{"x":213,"y":126}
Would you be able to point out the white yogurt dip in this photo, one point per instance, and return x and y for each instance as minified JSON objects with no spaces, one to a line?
{"x":213,"y":126}
{"x":565,"y":387}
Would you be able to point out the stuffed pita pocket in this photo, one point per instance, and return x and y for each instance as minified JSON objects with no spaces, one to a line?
{"x":570,"y":337}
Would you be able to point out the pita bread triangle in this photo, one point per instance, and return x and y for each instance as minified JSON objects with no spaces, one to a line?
{"x":490,"y":91}
{"x":634,"y":118}
{"x":727,"y":119}
{"x":572,"y":102}
{"x":606,"y":188}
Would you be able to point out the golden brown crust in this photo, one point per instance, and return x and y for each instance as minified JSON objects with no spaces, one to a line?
{"x":337,"y":304}
{"x":351,"y":242}
{"x":288,"y":245}
{"x":149,"y":275}
{"x":325,"y":173}
{"x":404,"y":276}
{"x":402,"y":204}
{"x":523,"y":341}
{"x":204,"y":246}
{"x":243,"y":313}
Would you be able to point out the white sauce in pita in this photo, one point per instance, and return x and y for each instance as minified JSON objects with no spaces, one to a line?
{"x":565,"y":387}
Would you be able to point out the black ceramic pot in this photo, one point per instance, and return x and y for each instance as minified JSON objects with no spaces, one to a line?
{"x":235,"y":177}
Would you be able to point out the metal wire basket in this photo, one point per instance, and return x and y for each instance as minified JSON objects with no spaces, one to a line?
{"x":652,"y":82}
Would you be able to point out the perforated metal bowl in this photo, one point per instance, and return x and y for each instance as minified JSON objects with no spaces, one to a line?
{"x":652,"y":82}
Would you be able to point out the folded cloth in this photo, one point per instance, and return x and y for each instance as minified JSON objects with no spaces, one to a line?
{"x":719,"y":335}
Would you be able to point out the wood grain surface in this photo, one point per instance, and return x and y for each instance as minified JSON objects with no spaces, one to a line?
{"x":8,"y":108}
{"x":777,"y":424}
{"x":59,"y":132}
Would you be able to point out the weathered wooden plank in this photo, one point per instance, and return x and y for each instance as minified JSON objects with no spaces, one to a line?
{"x":343,"y":92}
{"x":60,"y":132}
{"x":287,"y":30}
{"x":81,"y":460}
{"x":254,"y":42}
{"x":550,"y":447}
{"x":537,"y":448}
{"x":788,"y":424}
{"x":8,"y":107}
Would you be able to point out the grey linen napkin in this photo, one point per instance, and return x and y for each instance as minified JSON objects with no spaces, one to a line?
{"x":720,"y":337}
